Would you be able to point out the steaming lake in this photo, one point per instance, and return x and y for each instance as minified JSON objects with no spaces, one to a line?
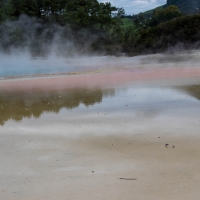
{"x":78,"y":143}
{"x":124,"y":134}
{"x":22,"y":64}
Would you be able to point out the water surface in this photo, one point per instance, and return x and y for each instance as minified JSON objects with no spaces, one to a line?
{"x":145,"y":102}
{"x":78,"y":142}
{"x":103,"y":135}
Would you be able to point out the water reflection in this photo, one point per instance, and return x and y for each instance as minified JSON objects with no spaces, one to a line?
{"x":192,"y":90}
{"x":16,"y":106}
{"x":141,"y":102}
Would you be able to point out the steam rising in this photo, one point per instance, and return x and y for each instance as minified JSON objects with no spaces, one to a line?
{"x":29,"y":46}
{"x":42,"y":39}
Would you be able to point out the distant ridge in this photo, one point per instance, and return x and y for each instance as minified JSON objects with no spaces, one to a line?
{"x":149,"y":13}
{"x":188,"y":7}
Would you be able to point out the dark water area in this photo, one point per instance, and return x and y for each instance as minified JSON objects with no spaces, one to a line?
{"x":17,"y":106}
{"x":137,"y":102}
{"x":23,"y":65}
{"x":85,"y":137}
{"x":132,"y":126}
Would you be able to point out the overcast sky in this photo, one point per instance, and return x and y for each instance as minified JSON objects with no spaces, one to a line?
{"x":135,"y":6}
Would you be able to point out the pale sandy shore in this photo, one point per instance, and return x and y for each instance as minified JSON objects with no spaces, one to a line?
{"x":104,"y":153}
{"x":62,"y":168}
{"x":96,"y":79}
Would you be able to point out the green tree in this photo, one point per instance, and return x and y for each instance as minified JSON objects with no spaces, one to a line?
{"x":140,"y":21}
{"x":90,"y":14}
{"x":105,"y":18}
{"x":131,"y":34}
{"x":17,"y":7}
{"x":164,"y":15}
{"x":2,"y":13}
{"x":52,"y":9}
{"x":4,"y":10}
{"x":31,"y":7}
{"x":182,"y":30}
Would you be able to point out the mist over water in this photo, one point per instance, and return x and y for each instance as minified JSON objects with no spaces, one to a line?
{"x":22,"y":63}
{"x":41,"y":39}
{"x":74,"y":136}
{"x":30,"y":47}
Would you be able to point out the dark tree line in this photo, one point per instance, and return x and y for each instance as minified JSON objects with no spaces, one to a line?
{"x":89,"y":25}
{"x":87,"y":19}
{"x":83,"y":13}
{"x":164,"y":29}
{"x":182,"y":31}
{"x":13,"y":104}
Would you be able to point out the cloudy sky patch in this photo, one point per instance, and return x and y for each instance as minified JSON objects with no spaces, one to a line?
{"x":135,"y":6}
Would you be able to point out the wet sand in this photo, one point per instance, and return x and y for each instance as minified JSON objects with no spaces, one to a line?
{"x":60,"y":168}
{"x":91,"y":152}
{"x":95,"y":79}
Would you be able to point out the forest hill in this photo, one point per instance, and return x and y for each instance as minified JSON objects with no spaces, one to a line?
{"x":87,"y":26}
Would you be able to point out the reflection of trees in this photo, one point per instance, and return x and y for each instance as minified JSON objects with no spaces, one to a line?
{"x":192,"y":90}
{"x":17,"y":106}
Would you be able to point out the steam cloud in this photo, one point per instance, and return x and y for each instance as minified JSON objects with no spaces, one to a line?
{"x":42,"y":39}
{"x":30,"y":46}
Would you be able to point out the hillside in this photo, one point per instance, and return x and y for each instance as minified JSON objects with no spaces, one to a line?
{"x":188,"y":7}
{"x":149,"y":13}
{"x":127,"y":22}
